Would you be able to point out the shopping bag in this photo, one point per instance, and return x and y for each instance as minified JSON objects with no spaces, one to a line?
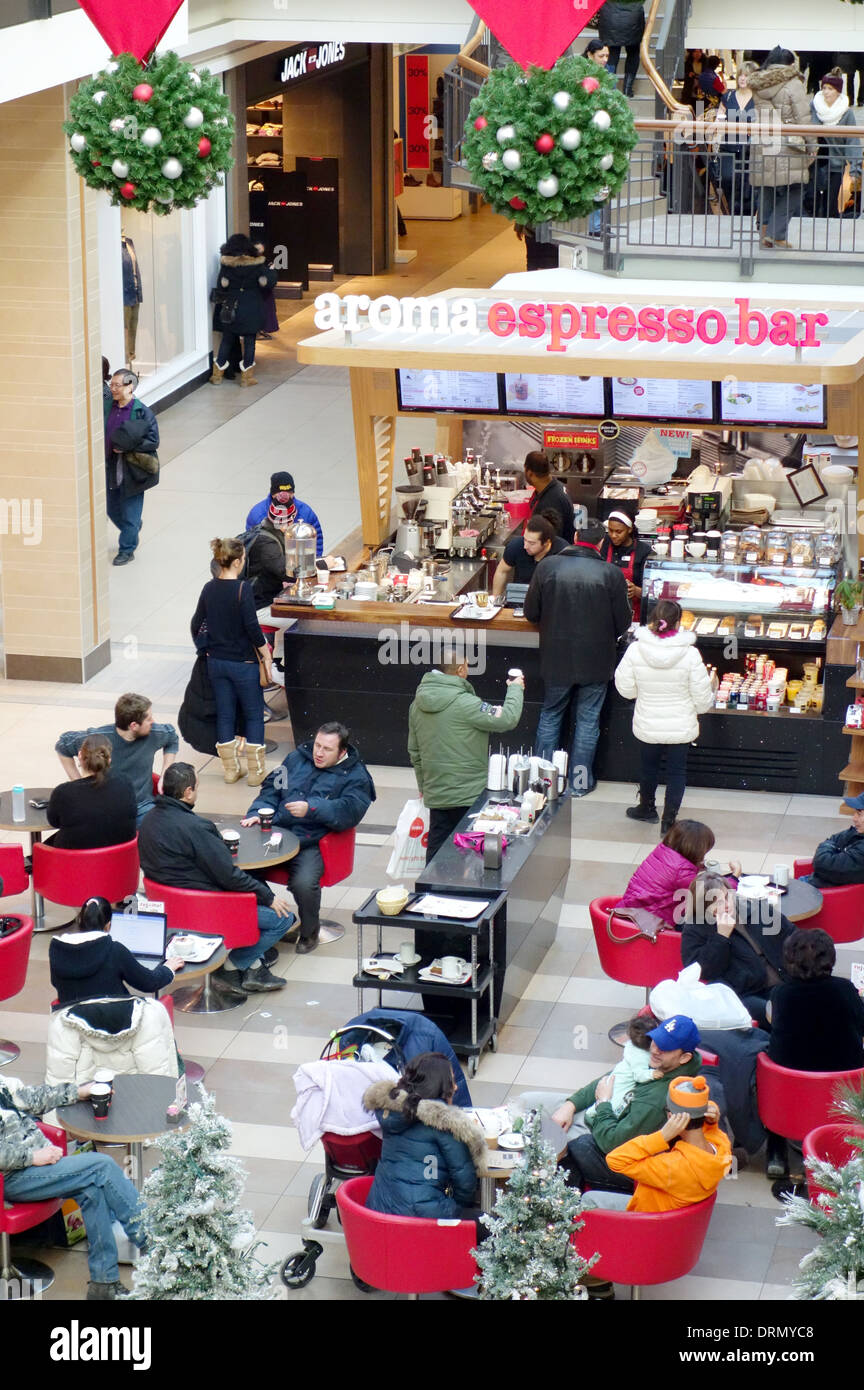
{"x":709,"y":1006}
{"x":412,"y":837}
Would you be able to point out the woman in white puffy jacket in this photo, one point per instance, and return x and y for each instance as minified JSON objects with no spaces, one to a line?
{"x":663,"y":672}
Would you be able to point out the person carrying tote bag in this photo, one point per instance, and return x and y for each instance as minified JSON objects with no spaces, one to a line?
{"x":665,"y":675}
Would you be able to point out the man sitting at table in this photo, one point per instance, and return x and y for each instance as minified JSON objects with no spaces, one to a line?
{"x":322,"y":786}
{"x":523,"y":553}
{"x":35,"y":1170}
{"x":672,"y":1055}
{"x":183,"y":850}
{"x":840,"y":858}
{"x":135,"y":740}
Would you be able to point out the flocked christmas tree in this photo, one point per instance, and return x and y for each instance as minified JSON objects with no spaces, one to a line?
{"x":528,"y":1254}
{"x":835,"y":1269}
{"x":200,"y":1244}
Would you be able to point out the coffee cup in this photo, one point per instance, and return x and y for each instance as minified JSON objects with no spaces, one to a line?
{"x":265,"y":815}
{"x":697,"y":549}
{"x":780,"y":875}
{"x":481,"y":598}
{"x":407,"y":953}
{"x":100,"y":1098}
{"x":514,"y":674}
{"x":661,"y":547}
{"x":232,"y":839}
{"x":451,"y":967}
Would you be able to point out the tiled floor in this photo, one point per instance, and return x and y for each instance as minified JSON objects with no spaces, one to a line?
{"x":217,"y":463}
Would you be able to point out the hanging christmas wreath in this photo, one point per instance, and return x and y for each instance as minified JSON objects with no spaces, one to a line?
{"x":156,"y":137}
{"x":547,"y":144}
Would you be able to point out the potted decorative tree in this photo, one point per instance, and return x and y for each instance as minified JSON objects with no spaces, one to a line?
{"x":849,"y":594}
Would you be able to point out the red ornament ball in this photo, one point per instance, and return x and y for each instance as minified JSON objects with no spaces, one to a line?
{"x":589,"y":84}
{"x":518,"y":204}
{"x":96,"y":163}
{"x":143,"y":92}
{"x":544,"y":143}
{"x":480,"y":123}
{"x":204,"y":147}
{"x":128,"y":190}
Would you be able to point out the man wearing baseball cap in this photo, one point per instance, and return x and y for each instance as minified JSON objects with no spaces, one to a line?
{"x":282,"y":495}
{"x":840,"y":858}
{"x":673,"y":1056}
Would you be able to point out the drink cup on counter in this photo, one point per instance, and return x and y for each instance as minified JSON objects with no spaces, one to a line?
{"x":265,"y":815}
{"x":451,"y":967}
{"x":232,"y":839}
{"x":481,"y":598}
{"x":100,"y":1099}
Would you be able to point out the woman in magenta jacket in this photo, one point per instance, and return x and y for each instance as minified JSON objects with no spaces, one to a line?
{"x":660,"y":881}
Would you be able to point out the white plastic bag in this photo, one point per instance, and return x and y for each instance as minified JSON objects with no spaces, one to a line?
{"x":412,"y":837}
{"x":709,"y":1006}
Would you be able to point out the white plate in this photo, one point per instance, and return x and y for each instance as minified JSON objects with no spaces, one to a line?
{"x":511,"y":1140}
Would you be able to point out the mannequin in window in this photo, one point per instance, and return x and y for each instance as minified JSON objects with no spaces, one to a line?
{"x":132,"y":295}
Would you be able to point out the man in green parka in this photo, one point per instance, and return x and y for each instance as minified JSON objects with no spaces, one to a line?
{"x":448,"y":743}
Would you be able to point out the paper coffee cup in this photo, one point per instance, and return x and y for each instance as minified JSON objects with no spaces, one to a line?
{"x":100,"y":1099}
{"x":265,"y":815}
{"x":104,"y":1077}
{"x":514,"y":674}
{"x":232,"y":840}
{"x":781,"y":875}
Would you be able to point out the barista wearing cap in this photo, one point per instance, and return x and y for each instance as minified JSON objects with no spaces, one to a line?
{"x":282,"y":494}
{"x":680,"y":1164}
{"x":622,"y":547}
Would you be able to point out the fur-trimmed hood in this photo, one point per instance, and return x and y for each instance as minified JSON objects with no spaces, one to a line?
{"x":768,"y":79}
{"x":242,"y":260}
{"x":433,"y":1113}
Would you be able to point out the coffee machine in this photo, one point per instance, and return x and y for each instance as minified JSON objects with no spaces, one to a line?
{"x":409,"y":536}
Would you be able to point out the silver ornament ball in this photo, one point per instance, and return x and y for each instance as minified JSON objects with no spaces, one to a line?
{"x":548,"y":186}
{"x":607,"y":161}
{"x":117,"y":126}
{"x":570,"y":139}
{"x":193,"y":118}
{"x":195,"y":79}
{"x":511,"y":159}
{"x":151,"y":137}
{"x":601,"y":119}
{"x":78,"y":142}
{"x":99,"y":97}
{"x":561,"y":101}
{"x":490,"y":159}
{"x":111,"y":68}
{"x":602,"y":194}
{"x":505,"y":133}
{"x":119,"y":169}
{"x":172,"y":168}
{"x":168,"y":199}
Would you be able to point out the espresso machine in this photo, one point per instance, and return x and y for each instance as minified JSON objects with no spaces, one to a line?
{"x":410,"y":534}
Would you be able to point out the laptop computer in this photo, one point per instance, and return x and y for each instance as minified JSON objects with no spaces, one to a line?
{"x":145,"y":934}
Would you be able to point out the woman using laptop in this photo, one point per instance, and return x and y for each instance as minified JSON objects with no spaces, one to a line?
{"x":87,"y":963}
{"x":95,"y":810}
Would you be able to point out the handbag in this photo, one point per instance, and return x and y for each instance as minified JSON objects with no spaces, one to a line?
{"x":263,"y":673}
{"x":226,"y":299}
{"x":647,"y":924}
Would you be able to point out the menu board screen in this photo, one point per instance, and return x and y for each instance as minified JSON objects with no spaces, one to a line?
{"x":575,"y":396}
{"x":651,"y":398}
{"x":469,"y":393}
{"x":772,"y":403}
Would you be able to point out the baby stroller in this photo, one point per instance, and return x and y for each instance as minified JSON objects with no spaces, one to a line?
{"x":382,"y":1035}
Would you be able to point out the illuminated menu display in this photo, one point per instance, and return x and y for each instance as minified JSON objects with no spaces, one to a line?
{"x":471,"y":393}
{"x":574,"y":396}
{"x":771,"y":403}
{"x":653,"y":398}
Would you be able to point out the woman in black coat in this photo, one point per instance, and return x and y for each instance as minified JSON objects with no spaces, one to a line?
{"x":95,"y":810}
{"x":621,"y":23}
{"x":243,"y":277}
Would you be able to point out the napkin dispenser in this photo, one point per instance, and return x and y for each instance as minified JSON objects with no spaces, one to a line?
{"x":493,"y":852}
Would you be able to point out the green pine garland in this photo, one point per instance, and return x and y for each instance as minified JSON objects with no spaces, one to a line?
{"x":528,"y":1255}
{"x":579,"y":165}
{"x":834,"y":1271}
{"x":113,"y":136}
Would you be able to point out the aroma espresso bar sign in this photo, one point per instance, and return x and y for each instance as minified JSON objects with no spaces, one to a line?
{"x":560,"y":324}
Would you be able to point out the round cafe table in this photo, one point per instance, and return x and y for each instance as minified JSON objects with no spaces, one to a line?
{"x":34,"y":823}
{"x":137,"y":1114}
{"x":800,"y":901}
{"x":197,"y":999}
{"x":254,"y":852}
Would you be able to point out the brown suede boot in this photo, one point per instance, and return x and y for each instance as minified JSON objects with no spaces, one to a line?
{"x":247,"y":376}
{"x":217,"y":375}
{"x":231,"y":769}
{"x":255,"y":754}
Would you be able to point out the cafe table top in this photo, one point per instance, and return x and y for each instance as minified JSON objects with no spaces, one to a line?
{"x":137,"y":1111}
{"x":254,"y":851}
{"x":34,"y":821}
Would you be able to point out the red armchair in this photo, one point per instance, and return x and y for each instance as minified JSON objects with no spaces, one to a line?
{"x":233,"y":916}
{"x":23,"y":1216}
{"x":337,"y":852}
{"x":14,"y":958}
{"x":12,"y":871}
{"x":404,"y":1254}
{"x":842,"y":910}
{"x":830,"y":1144}
{"x":69,"y":876}
{"x":631,"y":958}
{"x":639,"y":1247}
{"x":791,"y":1103}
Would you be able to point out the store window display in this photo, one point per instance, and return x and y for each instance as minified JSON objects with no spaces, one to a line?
{"x":132,"y":295}
{"x":158,"y":288}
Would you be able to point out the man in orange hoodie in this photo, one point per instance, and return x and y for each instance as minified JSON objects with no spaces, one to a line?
{"x":682,"y":1163}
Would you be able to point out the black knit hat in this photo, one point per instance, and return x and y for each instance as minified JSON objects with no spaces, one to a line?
{"x":281,"y":482}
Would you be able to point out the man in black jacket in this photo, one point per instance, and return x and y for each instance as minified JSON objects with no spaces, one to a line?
{"x":183,"y":850}
{"x":840,"y":858}
{"x":130,"y":428}
{"x":549,"y":495}
{"x":582,"y":609}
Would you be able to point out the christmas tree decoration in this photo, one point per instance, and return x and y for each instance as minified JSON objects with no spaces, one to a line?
{"x":200,"y":1244}
{"x":529,"y":1255}
{"x":526,"y":112}
{"x":171,"y":163}
{"x":607,"y":161}
{"x":490,"y":159}
{"x":78,"y":142}
{"x":480,"y":123}
{"x":110,"y":68}
{"x":835,"y":1269}
{"x":517,"y":203}
{"x":128,"y":191}
{"x":98,"y":97}
{"x":590,"y":84}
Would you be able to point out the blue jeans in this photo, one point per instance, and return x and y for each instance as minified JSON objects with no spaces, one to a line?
{"x":141,"y":812}
{"x":595,"y":222}
{"x":126,"y":513}
{"x":237,"y":683}
{"x":229,"y":338}
{"x":103,"y":1193}
{"x":271,"y":929}
{"x":585,"y":703}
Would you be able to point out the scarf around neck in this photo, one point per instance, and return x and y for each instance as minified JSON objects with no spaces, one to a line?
{"x":830,"y":115}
